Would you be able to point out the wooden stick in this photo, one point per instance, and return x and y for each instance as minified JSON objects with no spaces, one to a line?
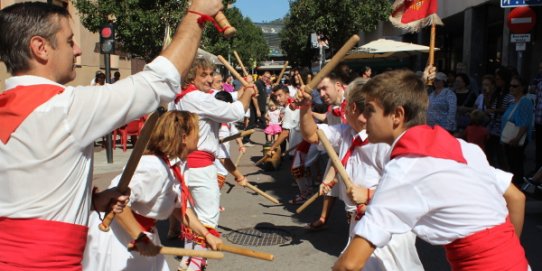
{"x":238,"y":159}
{"x":238,"y":135}
{"x":176,"y":251}
{"x":312,"y":199}
{"x":307,"y":203}
{"x":332,"y":63}
{"x":240,"y":63}
{"x":246,"y":252}
{"x":133,"y":160}
{"x":281,"y":73}
{"x":431,"y":60}
{"x":335,"y":159}
{"x":233,"y":71}
{"x":209,"y":254}
{"x":263,"y":194}
{"x":221,"y":19}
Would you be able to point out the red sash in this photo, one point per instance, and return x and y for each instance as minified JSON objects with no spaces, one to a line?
{"x":497,"y":248}
{"x":35,"y":244}
{"x":146,"y":223}
{"x":423,"y":140}
{"x":188,"y":89}
{"x":199,"y":159}
{"x":16,"y":104}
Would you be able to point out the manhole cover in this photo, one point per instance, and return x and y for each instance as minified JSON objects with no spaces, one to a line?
{"x":261,"y":236}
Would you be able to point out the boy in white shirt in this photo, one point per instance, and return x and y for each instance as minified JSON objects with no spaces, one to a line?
{"x":364,"y":163}
{"x":435,"y":185}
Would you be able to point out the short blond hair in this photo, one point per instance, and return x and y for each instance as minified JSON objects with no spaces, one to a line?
{"x":166,"y":138}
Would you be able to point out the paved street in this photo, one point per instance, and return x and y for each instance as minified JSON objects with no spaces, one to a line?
{"x":304,"y":250}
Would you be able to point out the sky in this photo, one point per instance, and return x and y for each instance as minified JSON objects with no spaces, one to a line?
{"x":263,"y":10}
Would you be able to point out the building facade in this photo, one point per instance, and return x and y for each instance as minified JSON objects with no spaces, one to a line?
{"x":474,"y":38}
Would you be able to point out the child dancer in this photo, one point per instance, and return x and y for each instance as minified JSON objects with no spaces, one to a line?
{"x":155,"y":194}
{"x":435,"y":185}
{"x":364,"y":163}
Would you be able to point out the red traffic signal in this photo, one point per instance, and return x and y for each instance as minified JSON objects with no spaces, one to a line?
{"x":107,"y":38}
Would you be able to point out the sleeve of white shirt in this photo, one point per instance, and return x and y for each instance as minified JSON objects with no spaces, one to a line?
{"x":219,"y":111}
{"x":96,"y":111}
{"x":233,"y":129}
{"x":394,"y":209}
{"x":333,"y":134}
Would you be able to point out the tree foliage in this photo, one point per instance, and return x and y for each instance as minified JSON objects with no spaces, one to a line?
{"x":248,"y":42}
{"x":336,"y":19}
{"x":141,"y":24}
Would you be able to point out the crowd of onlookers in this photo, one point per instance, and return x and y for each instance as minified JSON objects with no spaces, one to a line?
{"x":501,"y":116}
{"x":475,"y":109}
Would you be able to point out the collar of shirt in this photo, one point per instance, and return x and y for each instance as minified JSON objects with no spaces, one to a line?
{"x":28,"y":80}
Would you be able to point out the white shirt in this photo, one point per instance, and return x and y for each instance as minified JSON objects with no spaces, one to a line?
{"x":366,"y":163}
{"x":212,"y":113}
{"x":440,"y":200}
{"x":290,"y":121}
{"x":46,"y":167}
{"x":274,"y":116}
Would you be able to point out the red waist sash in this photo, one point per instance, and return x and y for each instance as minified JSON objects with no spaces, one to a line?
{"x":35,"y":244}
{"x":198,"y":159}
{"x":146,"y":223}
{"x":497,"y":248}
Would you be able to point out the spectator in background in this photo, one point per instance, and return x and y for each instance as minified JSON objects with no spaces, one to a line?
{"x":477,"y":132}
{"x":366,"y":72}
{"x":520,"y":113}
{"x":116,"y":77}
{"x":465,"y":100}
{"x":499,"y":101}
{"x":217,"y":82}
{"x":93,"y":81}
{"x":537,"y":85}
{"x":228,"y":84}
{"x":442,"y":105}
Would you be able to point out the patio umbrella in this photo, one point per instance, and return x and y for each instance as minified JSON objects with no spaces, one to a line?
{"x":383,"y":48}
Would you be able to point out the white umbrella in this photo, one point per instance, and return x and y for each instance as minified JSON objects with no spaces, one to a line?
{"x":385,"y":48}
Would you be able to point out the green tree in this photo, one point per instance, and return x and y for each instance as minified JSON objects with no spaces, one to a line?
{"x":141,"y":26}
{"x":248,"y":42}
{"x":336,"y":19}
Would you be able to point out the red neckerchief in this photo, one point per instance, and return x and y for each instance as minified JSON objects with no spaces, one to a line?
{"x":338,"y":111}
{"x":423,"y":140}
{"x":303,"y":147}
{"x":185,"y":91}
{"x":17,"y":103}
{"x":356,"y":142}
{"x":185,"y":193}
{"x":290,"y":103}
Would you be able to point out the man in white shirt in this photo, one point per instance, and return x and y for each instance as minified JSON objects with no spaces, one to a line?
{"x":47,"y":130}
{"x":201,"y":173}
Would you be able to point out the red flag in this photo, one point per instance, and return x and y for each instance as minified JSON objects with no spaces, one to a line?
{"x":412,"y":15}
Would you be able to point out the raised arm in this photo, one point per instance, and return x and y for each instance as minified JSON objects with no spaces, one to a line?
{"x":307,"y":123}
{"x":186,"y":40}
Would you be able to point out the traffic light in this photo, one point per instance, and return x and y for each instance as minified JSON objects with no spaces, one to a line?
{"x":107,"y":38}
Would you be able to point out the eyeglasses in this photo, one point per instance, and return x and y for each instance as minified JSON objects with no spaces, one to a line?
{"x":514,"y":86}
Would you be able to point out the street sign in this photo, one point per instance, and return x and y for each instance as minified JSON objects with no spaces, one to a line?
{"x":521,"y":46}
{"x":521,"y":20}
{"x":520,"y":38}
{"x":519,"y":3}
